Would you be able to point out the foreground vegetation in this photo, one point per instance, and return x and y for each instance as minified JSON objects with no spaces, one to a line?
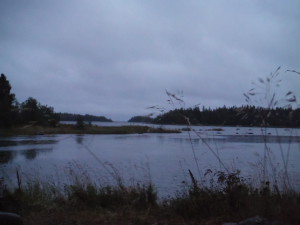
{"x":81,"y":129}
{"x":228,"y":198}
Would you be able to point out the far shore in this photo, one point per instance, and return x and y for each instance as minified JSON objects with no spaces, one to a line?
{"x":87,"y":129}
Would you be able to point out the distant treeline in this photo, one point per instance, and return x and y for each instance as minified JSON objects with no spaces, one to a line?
{"x":232,"y":116}
{"x":141,"y":119}
{"x":86,"y":117}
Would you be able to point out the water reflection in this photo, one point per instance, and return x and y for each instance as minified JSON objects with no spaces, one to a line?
{"x":31,"y":154}
{"x":7,"y":156}
{"x":181,"y":140}
{"x":79,"y":139}
{"x":253,"y":138}
{"x":262,"y":139}
{"x":7,"y":143}
{"x":28,"y":147}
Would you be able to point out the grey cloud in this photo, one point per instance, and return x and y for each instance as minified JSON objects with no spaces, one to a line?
{"x":117,"y":57}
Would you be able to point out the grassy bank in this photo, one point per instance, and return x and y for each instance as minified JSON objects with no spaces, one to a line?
{"x":227,"y":199}
{"x":87,"y":129}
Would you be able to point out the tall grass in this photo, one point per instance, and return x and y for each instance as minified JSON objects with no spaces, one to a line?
{"x":267,"y":94}
{"x":232,"y":195}
{"x":81,"y":193}
{"x":231,"y":198}
{"x":225,"y":197}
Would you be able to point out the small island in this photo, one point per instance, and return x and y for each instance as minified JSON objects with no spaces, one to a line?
{"x":86,"y":117}
{"x":141,"y":119}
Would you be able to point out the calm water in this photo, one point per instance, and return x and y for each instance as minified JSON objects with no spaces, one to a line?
{"x":162,"y":158}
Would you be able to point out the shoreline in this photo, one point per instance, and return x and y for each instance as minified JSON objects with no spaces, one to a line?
{"x":87,"y":129}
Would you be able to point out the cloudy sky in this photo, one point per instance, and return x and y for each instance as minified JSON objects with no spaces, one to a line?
{"x":116,"y":58}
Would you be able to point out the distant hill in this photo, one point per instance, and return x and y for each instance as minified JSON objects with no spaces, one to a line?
{"x":141,"y":119}
{"x":86,"y":117}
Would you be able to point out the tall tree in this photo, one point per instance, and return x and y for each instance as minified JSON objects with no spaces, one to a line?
{"x":32,"y":111}
{"x":7,"y":100}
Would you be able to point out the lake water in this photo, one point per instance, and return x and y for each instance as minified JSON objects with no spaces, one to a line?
{"x":162,"y":158}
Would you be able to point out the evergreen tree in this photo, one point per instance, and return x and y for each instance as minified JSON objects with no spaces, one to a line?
{"x":232,"y":116}
{"x":30,"y":110}
{"x":7,"y":101}
{"x":33,"y":111}
{"x":80,"y":123}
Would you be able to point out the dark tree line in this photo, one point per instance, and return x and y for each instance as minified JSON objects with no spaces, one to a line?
{"x":141,"y":119}
{"x":233,"y":116}
{"x":30,"y":111}
{"x":86,"y":117}
{"x":13,"y":113}
{"x":7,"y":103}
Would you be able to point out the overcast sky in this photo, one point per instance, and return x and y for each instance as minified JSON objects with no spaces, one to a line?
{"x":116,"y":58}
